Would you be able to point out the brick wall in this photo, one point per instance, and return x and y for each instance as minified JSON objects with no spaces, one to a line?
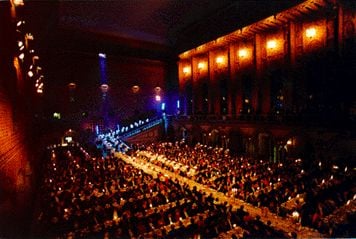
{"x":13,"y":155}
{"x":13,"y":149}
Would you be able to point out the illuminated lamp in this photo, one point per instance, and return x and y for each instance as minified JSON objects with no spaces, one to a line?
{"x":135,"y":89}
{"x":30,"y":73}
{"x":289,"y":142}
{"x":57,"y":115}
{"x":104,"y":88}
{"x":157,"y":89}
{"x":19,"y":23}
{"x":310,"y":32}
{"x":243,"y":53}
{"x":20,"y":43}
{"x":21,"y":56}
{"x":271,"y":44}
{"x":201,"y":65}
{"x":102,"y":55}
{"x":247,"y":101}
{"x":158,"y":98}
{"x":219,"y":59}
{"x":72,"y":86}
{"x":17,"y":2}
{"x":22,"y":47}
{"x":186,"y":70}
{"x":35,"y":60}
{"x":29,"y":36}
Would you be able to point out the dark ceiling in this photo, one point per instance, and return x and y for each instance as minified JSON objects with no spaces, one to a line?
{"x":144,"y":28}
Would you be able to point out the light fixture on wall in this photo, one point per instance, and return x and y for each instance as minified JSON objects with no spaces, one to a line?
{"x":310,"y":32}
{"x":72,"y":86}
{"x":271,"y":44}
{"x":104,"y":88}
{"x":243,"y":53}
{"x":135,"y":89}
{"x":17,"y":3}
{"x":220,"y":60}
{"x":186,"y":70}
{"x":201,"y":65}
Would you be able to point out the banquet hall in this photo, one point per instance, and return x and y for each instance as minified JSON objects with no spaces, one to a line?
{"x":177,"y":119}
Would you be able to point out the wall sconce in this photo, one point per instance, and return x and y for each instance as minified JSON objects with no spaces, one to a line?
{"x":104,"y":88}
{"x":219,"y":60}
{"x":271,"y":44}
{"x":201,"y":65}
{"x":242,"y":53}
{"x":17,"y":3}
{"x":186,"y":70}
{"x":310,"y":32}
{"x":135,"y":89}
{"x":72,"y":86}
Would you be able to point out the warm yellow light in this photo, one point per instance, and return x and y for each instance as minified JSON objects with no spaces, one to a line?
{"x":158,"y":89}
{"x":201,"y":65}
{"x":186,"y":70}
{"x":57,"y":115}
{"x":135,"y":88}
{"x":271,"y":44}
{"x":72,"y":86}
{"x":220,"y":60}
{"x":310,"y":32}
{"x":18,"y":2}
{"x":289,"y":142}
{"x":30,"y":73}
{"x":21,"y":56}
{"x":29,"y":36}
{"x":243,"y":53}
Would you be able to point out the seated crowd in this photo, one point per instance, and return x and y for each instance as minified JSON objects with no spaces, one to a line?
{"x":102,"y":197}
{"x":310,"y":193}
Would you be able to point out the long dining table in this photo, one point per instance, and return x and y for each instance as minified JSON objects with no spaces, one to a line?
{"x":286,"y":224}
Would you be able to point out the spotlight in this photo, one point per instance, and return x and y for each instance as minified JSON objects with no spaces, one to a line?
{"x":102,"y":55}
